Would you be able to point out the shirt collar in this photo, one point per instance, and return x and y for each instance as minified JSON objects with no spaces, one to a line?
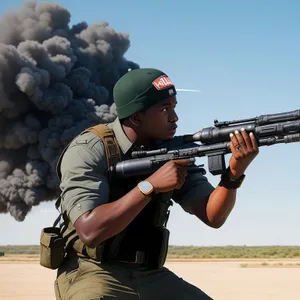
{"x":123,"y":141}
{"x":126,"y":145}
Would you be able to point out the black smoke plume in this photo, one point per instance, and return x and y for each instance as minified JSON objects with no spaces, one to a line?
{"x":55,"y":81}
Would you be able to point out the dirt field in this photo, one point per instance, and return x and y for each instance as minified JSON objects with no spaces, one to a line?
{"x":24,"y":279}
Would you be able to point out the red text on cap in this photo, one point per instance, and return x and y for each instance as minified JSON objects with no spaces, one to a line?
{"x":162,"y":82}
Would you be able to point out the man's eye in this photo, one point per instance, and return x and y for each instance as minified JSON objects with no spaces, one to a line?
{"x":165,"y":109}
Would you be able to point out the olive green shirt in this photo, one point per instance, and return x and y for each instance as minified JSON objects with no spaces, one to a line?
{"x":84,"y":184}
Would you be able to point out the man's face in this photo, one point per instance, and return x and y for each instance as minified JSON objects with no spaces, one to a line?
{"x":159,"y":121}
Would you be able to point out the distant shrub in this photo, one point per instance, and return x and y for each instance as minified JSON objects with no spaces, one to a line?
{"x":195,"y":252}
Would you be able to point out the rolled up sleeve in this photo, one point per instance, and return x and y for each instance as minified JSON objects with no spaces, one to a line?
{"x":195,"y":189}
{"x":84,"y":184}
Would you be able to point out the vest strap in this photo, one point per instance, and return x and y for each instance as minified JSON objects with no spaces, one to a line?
{"x":112,"y":149}
{"x":113,"y":155}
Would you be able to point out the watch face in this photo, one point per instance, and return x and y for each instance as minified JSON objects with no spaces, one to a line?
{"x":145,"y":186}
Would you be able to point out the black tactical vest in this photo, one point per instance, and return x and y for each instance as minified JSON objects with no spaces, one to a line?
{"x":146,"y":234}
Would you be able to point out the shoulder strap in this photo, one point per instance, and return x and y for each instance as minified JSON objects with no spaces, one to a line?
{"x":112,"y":149}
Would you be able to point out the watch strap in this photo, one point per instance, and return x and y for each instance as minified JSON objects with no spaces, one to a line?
{"x":230,"y":183}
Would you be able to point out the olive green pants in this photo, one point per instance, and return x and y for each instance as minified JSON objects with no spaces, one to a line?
{"x":94,"y":281}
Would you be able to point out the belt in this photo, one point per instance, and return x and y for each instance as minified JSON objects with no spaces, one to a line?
{"x":137,"y":257}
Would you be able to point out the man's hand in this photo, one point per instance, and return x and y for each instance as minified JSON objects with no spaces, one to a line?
{"x":170,"y":176}
{"x":244,"y":149}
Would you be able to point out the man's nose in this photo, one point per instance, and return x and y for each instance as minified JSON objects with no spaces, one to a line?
{"x":173,"y":117}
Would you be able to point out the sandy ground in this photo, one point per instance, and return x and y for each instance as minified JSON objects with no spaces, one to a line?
{"x":220,"y":279}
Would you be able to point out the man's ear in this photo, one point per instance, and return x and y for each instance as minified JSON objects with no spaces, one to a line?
{"x":135,"y":119}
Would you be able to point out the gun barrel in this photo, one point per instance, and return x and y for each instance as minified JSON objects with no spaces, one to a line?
{"x":143,"y":153}
{"x":278,"y":117}
{"x":211,"y":135}
{"x":144,"y":166}
{"x":130,"y":167}
{"x":286,"y":139}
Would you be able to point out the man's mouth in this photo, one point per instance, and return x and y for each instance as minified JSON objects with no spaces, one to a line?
{"x":173,"y":128}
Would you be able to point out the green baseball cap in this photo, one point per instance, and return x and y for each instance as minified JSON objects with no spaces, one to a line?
{"x":139,"y":89}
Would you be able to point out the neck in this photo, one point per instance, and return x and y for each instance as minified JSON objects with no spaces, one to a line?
{"x":136,"y":137}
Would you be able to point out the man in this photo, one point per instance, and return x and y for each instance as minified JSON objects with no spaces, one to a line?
{"x":124,"y":220}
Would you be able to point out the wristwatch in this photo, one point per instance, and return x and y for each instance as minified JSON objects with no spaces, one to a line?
{"x":145,"y":187}
{"x":230,"y":183}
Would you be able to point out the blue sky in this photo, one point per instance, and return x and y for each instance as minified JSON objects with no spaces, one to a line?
{"x":244,"y":57}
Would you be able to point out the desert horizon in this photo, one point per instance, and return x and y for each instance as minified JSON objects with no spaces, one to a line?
{"x":23,"y":278}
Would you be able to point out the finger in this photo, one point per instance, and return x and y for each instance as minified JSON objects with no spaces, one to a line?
{"x":181,"y":181}
{"x":233,"y":145}
{"x":178,"y":186}
{"x":234,"y":140}
{"x":183,"y":172}
{"x":240,"y":140}
{"x":233,"y":150}
{"x":254,"y":142}
{"x":246,"y":138}
{"x":184,"y":162}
